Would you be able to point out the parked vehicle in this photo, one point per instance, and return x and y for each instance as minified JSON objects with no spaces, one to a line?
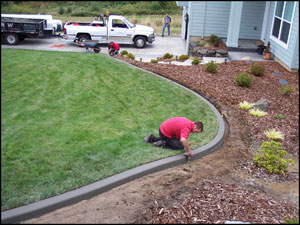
{"x":53,"y":25}
{"x":114,"y":28}
{"x":15,"y":29}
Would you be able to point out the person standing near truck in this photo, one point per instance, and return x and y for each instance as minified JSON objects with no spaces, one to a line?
{"x":113,"y":48}
{"x":167,"y":24}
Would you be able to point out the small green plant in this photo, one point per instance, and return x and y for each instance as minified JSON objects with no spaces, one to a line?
{"x":167,"y":56}
{"x":61,"y":10}
{"x":280,"y":117}
{"x":131,"y":56}
{"x":195,"y":61}
{"x":292,"y":221}
{"x":201,"y":43}
{"x":286,"y":90}
{"x":257,"y":70}
{"x":271,"y":157}
{"x":124,"y":52}
{"x":246,"y":105}
{"x":243,"y":80}
{"x":183,"y":57}
{"x":257,"y":112}
{"x":274,"y":134}
{"x":207,"y":45}
{"x":212,"y":38}
{"x":211,"y":67}
{"x":154,"y":61}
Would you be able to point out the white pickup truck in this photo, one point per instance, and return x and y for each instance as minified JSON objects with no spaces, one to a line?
{"x":114,"y":28}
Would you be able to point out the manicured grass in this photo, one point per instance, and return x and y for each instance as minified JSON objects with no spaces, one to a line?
{"x":69,"y":119}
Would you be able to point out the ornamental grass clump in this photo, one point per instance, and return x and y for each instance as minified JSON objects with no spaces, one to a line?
{"x":124,"y":52}
{"x":274,"y":134}
{"x":286,"y":90}
{"x":183,"y":57}
{"x":271,"y":157}
{"x":131,"y":56}
{"x":257,"y":112}
{"x":154,"y":61}
{"x":246,"y":105}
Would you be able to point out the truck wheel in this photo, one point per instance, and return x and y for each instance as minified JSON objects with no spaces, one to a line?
{"x":11,"y":39}
{"x":83,"y":37}
{"x":140,"y":42}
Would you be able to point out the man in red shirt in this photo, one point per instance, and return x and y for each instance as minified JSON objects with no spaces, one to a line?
{"x":174,"y":134}
{"x":113,"y":48}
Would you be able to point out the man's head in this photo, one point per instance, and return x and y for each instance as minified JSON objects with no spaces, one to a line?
{"x":198,"y":127}
{"x":111,"y":43}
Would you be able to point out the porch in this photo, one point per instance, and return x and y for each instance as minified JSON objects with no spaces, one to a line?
{"x":244,"y":45}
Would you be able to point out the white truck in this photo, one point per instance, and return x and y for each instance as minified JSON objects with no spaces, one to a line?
{"x":114,"y":28}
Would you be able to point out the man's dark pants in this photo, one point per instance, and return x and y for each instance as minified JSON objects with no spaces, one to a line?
{"x":170,"y":143}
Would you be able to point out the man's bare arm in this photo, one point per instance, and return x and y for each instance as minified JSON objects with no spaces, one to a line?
{"x":186,"y":145}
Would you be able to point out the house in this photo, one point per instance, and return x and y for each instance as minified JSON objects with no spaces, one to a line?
{"x":268,"y":21}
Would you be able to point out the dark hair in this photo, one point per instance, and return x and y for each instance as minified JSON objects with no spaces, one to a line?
{"x":199,"y":125}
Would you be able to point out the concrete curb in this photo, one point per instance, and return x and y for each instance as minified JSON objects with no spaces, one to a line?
{"x":39,"y":208}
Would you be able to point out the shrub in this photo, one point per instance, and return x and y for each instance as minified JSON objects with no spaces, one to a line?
{"x":274,"y":134}
{"x":257,"y":112}
{"x":183,"y":57}
{"x":167,"y":56}
{"x":61,"y":10}
{"x":257,"y":70}
{"x":195,"y":62}
{"x":280,"y":117}
{"x":154,"y":61}
{"x":131,"y":56}
{"x":246,"y":105}
{"x":243,"y":80}
{"x":292,"y":221}
{"x":211,"y":67}
{"x":201,"y":43}
{"x":207,"y":45}
{"x":212,"y":38}
{"x":286,"y":90}
{"x":272,"y":157}
{"x":124,"y":52}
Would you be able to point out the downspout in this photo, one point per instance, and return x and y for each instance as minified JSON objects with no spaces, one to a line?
{"x":187,"y":46}
{"x":204,"y":20}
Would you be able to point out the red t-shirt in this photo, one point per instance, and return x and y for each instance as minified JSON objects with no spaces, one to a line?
{"x":178,"y":127}
{"x":115,"y":46}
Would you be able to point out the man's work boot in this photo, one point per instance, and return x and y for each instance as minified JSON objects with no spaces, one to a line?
{"x":148,"y":139}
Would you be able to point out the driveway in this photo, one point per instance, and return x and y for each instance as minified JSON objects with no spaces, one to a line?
{"x":161,"y":45}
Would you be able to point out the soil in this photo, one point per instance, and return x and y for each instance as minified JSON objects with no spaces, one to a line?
{"x":220,"y":186}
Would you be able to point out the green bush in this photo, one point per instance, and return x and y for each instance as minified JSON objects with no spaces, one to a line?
{"x":286,"y":90}
{"x":195,"y":62}
{"x":61,"y":10}
{"x":243,"y":80}
{"x":257,"y":70}
{"x":124,"y":52}
{"x":201,"y":43}
{"x":271,"y":157}
{"x":154,"y":61}
{"x":131,"y":56}
{"x":183,"y":57}
{"x":167,"y":56}
{"x":212,"y":38}
{"x":69,"y":9}
{"x":211,"y":67}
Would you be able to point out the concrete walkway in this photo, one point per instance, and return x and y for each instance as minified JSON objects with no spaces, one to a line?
{"x":39,"y":208}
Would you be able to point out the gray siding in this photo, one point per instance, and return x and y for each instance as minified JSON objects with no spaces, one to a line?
{"x":252,"y":16}
{"x":210,"y":17}
{"x":287,"y":56}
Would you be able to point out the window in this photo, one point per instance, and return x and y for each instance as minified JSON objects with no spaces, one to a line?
{"x":282,"y":22}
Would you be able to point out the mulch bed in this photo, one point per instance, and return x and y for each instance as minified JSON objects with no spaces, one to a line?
{"x":217,"y":201}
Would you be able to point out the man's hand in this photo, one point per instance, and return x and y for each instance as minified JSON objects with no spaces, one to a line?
{"x":186,"y":145}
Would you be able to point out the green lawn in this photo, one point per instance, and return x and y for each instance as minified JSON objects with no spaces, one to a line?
{"x":69,"y":119}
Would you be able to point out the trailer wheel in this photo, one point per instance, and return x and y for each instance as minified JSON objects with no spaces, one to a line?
{"x":83,"y":37}
{"x":140,"y":42}
{"x":11,"y":39}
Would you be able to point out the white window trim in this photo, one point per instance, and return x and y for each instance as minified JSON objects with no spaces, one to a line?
{"x":275,"y":39}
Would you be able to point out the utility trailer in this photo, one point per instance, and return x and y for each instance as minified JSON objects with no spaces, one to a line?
{"x":14,"y":30}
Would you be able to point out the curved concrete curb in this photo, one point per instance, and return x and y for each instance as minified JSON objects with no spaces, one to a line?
{"x":39,"y":208}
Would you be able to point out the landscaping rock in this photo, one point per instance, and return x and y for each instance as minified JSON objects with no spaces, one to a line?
{"x":262,"y":104}
{"x":222,"y":52}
